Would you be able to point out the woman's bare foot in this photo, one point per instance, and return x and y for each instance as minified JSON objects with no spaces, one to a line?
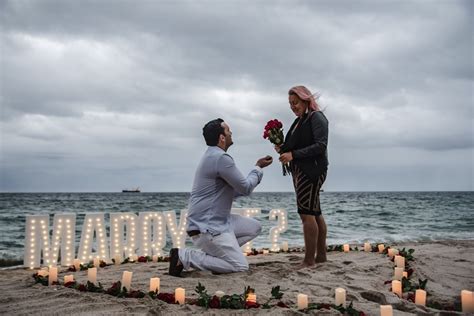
{"x":304,"y":265}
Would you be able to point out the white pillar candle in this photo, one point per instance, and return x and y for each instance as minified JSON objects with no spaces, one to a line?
{"x":53,"y":275}
{"x":179,"y":295}
{"x":397,"y":288}
{"x":77,"y":264}
{"x":467,"y":301}
{"x":134,"y":258}
{"x":252,"y":297}
{"x":420,"y":297}
{"x":68,"y":278}
{"x":398,"y":274}
{"x":390,"y":252}
{"x":400,"y":262}
{"x":381,"y":248}
{"x":367,"y":247}
{"x":117,"y":259}
{"x":96,"y":262}
{"x":340,"y":297}
{"x":266,"y":251}
{"x":386,"y":310}
{"x":92,"y":275}
{"x":395,"y":252}
{"x":302,"y":301}
{"x":284,"y":246}
{"x":154,"y":284}
{"x":42,"y":273}
{"x":127,"y":280}
{"x":346,"y":248}
{"x":219,"y":294}
{"x":155,"y":258}
{"x":405,"y":274}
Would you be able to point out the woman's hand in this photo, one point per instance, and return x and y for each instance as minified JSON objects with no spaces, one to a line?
{"x":286,"y":157}
{"x":278,"y":148}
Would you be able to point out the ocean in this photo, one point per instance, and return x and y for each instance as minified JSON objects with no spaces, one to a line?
{"x":351,"y":217}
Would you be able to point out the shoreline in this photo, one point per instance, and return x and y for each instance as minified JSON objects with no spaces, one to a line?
{"x":448,"y":265}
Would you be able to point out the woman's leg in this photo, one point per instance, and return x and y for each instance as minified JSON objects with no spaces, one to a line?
{"x":310,"y":232}
{"x":321,"y":242}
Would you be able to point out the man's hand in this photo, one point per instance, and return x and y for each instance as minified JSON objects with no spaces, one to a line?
{"x":278,"y":148}
{"x":265,"y":161}
{"x":286,"y":157}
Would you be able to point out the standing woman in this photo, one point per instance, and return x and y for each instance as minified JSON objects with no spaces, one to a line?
{"x":305,"y":149}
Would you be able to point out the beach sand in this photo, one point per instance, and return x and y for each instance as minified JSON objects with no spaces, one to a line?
{"x":448,"y":266}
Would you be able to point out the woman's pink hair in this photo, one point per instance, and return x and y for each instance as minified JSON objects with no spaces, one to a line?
{"x":304,"y":94}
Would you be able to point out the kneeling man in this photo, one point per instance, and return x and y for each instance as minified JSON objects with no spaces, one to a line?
{"x":213,"y":229}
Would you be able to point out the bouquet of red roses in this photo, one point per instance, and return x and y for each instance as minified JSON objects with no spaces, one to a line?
{"x":274,"y":133}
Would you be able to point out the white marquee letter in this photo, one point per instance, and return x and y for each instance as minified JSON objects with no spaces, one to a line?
{"x":36,"y":239}
{"x":119,"y":221}
{"x":93,"y":223}
{"x":152,"y":240}
{"x":276,"y":231}
{"x":178,"y":233}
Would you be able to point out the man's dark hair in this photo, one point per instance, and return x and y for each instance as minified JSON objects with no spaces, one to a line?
{"x":212,"y":130}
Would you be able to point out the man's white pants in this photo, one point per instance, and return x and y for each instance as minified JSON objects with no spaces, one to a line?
{"x":222,"y":253}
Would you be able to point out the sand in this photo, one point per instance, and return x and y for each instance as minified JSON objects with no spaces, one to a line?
{"x":448,"y":266}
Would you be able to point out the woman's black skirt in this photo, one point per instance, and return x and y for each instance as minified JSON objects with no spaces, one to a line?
{"x":307,"y":191}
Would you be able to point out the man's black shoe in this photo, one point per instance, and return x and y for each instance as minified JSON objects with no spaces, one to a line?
{"x":175,"y":269}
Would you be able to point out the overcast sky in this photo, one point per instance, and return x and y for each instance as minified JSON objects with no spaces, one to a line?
{"x":107,"y":95}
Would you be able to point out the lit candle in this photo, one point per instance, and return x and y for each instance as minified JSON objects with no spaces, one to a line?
{"x":117,"y":259}
{"x":284,"y":246}
{"x":154,"y":284}
{"x":53,"y":275}
{"x":386,"y":310}
{"x":390,"y":252}
{"x":252,"y":297}
{"x":219,"y":294}
{"x":420,"y":297}
{"x":155,"y":258}
{"x":245,"y":254}
{"x":92,"y":275}
{"x":400,"y":262}
{"x":266,"y":251}
{"x":346,"y":248}
{"x":405,"y":274}
{"x":134,"y":258}
{"x":397,"y":288}
{"x":179,"y":294}
{"x":127,"y":280}
{"x":467,"y":301}
{"x":398,"y":274}
{"x":340,"y":297}
{"x":381,"y":248}
{"x":302,"y":301}
{"x":367,"y":247}
{"x":77,"y":264}
{"x":96,"y":262}
{"x":68,"y":278}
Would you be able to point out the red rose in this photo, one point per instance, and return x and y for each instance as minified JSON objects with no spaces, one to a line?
{"x":282,"y":305}
{"x":265,"y":134}
{"x":325,"y":306}
{"x":166,"y":297}
{"x":141,"y":259}
{"x":215,"y":302}
{"x":82,"y":288}
{"x":251,"y":305}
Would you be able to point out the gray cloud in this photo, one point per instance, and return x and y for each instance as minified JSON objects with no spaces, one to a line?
{"x":120,"y":90}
